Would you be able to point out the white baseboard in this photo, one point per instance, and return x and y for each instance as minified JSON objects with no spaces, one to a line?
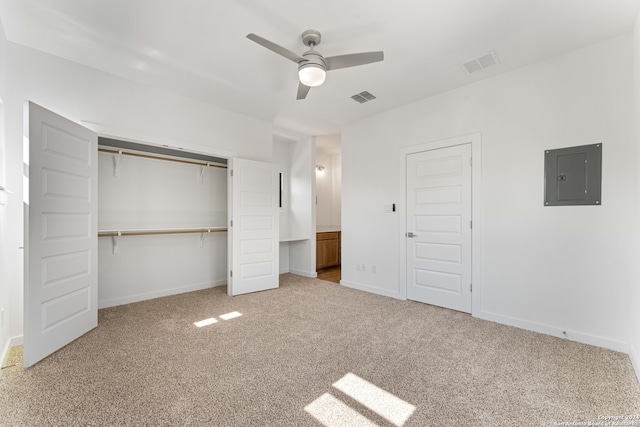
{"x":158,"y":294}
{"x":303,"y":273}
{"x":371,"y":289}
{"x":634,"y":355}
{"x":555,"y":331}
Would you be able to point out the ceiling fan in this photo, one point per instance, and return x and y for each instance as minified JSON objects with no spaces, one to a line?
{"x":312,"y":66}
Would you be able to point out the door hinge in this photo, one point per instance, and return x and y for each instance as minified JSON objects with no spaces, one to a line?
{"x":471,"y":224}
{"x":231,"y":172}
{"x":470,"y":287}
{"x":470,"y":161}
{"x":230,"y":273}
{"x":231,"y":223}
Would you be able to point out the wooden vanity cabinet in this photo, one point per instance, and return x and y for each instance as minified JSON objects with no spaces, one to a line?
{"x":327,"y":249}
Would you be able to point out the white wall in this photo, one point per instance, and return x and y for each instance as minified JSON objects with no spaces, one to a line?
{"x":116,"y":107}
{"x":336,"y":189}
{"x":302,"y":219}
{"x":549,"y":269}
{"x":5,"y":201}
{"x":329,"y":181}
{"x":635,"y":284}
{"x":324,"y":190}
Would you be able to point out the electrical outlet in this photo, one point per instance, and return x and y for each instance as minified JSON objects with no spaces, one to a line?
{"x":364,"y":267}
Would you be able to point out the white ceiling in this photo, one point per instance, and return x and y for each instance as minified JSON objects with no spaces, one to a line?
{"x":199,"y":47}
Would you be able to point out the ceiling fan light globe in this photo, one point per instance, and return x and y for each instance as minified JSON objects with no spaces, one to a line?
{"x":311,"y":75}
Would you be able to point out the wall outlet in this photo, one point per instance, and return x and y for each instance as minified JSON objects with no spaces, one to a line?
{"x":364,"y":267}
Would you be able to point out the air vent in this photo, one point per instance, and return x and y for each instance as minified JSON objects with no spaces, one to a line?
{"x":482,"y":62}
{"x":363,"y":97}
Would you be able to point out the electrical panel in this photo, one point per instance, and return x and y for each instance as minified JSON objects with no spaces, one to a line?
{"x":573,"y":176}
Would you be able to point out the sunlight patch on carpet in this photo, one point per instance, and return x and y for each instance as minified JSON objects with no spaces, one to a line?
{"x":212,"y":320}
{"x":205,"y":322}
{"x":231,"y":315}
{"x":383,"y":403}
{"x":332,"y":412}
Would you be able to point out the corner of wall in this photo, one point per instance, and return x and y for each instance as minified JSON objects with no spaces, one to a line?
{"x":11,"y":342}
{"x":634,"y":355}
{"x":634,"y":345}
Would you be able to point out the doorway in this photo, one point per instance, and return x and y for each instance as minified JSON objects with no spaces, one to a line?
{"x":328,"y":207}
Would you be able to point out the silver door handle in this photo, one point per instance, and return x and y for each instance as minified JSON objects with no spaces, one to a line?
{"x":410,"y":234}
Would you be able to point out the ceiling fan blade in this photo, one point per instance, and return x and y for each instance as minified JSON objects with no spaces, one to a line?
{"x":351,"y":60}
{"x":276,"y":48}
{"x":303,"y":90}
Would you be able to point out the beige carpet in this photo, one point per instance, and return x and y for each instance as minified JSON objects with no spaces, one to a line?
{"x":348,"y":357}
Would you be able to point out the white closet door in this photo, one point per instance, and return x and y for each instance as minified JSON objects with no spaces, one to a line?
{"x":61,"y":243}
{"x":254,"y":228}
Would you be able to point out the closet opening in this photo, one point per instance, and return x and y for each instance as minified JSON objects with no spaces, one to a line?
{"x":162,"y":221}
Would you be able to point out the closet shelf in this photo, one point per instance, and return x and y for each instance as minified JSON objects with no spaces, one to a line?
{"x":149,"y":232}
{"x":170,"y":159}
{"x":116,"y":234}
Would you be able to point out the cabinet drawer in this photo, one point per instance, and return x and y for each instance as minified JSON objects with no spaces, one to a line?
{"x":327,"y":236}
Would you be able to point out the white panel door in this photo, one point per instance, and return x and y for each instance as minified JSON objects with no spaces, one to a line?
{"x":439,"y":227}
{"x":61,"y":236}
{"x":254,"y":235}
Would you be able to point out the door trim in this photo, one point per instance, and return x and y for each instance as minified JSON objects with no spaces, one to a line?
{"x":476,"y":213}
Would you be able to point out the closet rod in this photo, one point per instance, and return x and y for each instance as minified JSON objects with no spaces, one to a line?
{"x":154,"y":232}
{"x":148,"y":156}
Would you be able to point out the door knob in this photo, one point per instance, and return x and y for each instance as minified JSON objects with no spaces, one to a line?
{"x":410,"y":234}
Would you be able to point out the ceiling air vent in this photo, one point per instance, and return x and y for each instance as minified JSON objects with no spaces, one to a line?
{"x":363,"y":97}
{"x":481,"y":62}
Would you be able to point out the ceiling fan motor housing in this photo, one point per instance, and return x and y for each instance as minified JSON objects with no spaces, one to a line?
{"x":311,"y":38}
{"x":314,"y":59}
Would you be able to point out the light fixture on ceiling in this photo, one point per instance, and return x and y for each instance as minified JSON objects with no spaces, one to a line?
{"x":320,"y":168}
{"x":311,"y":75}
{"x":312,"y":71}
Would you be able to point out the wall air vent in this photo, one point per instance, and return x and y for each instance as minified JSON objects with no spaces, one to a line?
{"x":363,"y":97}
{"x":481,"y":62}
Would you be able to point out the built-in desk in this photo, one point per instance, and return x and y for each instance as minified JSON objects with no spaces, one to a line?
{"x":292,"y":239}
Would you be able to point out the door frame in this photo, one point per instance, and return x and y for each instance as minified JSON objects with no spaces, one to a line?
{"x":476,"y":212}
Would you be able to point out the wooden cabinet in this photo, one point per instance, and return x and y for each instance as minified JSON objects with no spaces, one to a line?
{"x":327,"y":249}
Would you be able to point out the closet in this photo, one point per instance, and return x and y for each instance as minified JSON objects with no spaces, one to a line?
{"x":129,"y":223}
{"x":162,"y":221}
